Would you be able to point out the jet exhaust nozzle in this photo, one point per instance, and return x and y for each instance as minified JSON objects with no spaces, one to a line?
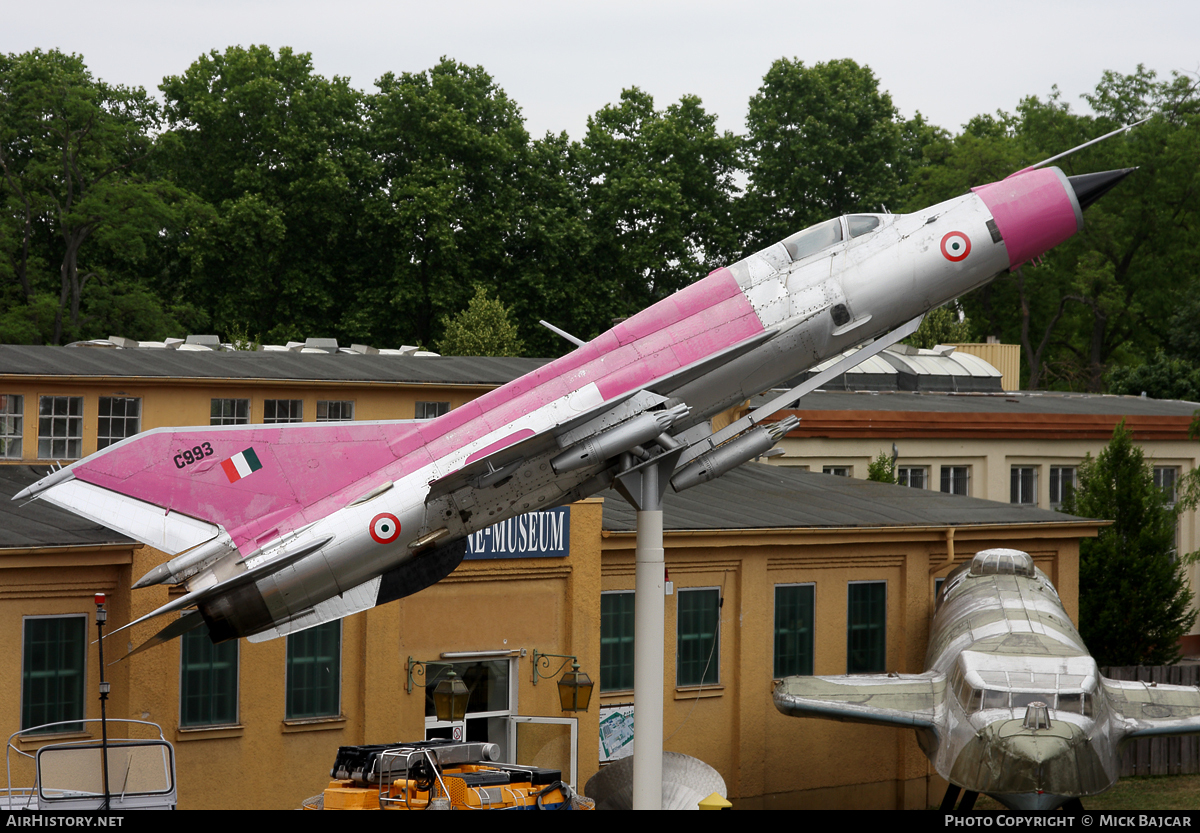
{"x":1091,"y":187}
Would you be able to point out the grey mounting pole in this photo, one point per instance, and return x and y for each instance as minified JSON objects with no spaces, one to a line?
{"x":644,"y":486}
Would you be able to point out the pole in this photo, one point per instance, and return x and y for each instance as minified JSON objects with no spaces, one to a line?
{"x":644,"y":486}
{"x":101,"y":618}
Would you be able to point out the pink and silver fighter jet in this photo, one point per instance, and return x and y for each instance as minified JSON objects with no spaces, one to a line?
{"x":274,"y":529}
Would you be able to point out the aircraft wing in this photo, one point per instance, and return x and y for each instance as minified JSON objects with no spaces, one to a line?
{"x":907,"y":701}
{"x":1149,"y":709}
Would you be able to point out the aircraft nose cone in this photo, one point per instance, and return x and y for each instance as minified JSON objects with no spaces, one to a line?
{"x":1091,"y":187}
{"x":1030,"y":767}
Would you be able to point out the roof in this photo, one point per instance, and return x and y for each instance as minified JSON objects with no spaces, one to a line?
{"x":40,"y":524}
{"x":82,"y":362}
{"x":1011,"y":402}
{"x":760,"y":496}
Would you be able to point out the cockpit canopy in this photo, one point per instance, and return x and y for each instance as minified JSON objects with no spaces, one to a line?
{"x":987,"y":681}
{"x":824,"y":235}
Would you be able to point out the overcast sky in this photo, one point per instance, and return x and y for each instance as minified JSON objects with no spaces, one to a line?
{"x":562,"y":61}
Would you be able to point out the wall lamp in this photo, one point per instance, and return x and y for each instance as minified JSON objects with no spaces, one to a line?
{"x":450,"y":695}
{"x":574,"y":688}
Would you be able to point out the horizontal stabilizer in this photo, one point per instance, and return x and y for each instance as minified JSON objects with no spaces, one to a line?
{"x":908,"y":701}
{"x":177,"y":628}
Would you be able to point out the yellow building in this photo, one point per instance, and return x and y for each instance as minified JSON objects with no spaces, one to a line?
{"x":773,"y":572}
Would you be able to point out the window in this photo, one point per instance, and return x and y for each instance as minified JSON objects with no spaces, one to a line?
{"x":1062,"y":484}
{"x":60,"y":427}
{"x":616,"y":641}
{"x":866,"y":628}
{"x":1164,"y":478}
{"x":208,"y":680}
{"x":12,"y":426}
{"x":1023,"y":485}
{"x":314,"y":671}
{"x":916,"y":477}
{"x":120,"y":417}
{"x":956,"y":480}
{"x":814,"y":239}
{"x":335,"y":411}
{"x":230,"y":412}
{"x":861,"y":224}
{"x":794,"y":629}
{"x":431,"y":410}
{"x":698,"y":651}
{"x":52,"y":671}
{"x":283,"y":410}
{"x":838,"y":471}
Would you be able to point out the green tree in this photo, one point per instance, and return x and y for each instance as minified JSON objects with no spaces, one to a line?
{"x":445,"y":208}
{"x":882,"y":469}
{"x":658,"y":189}
{"x":77,"y":206}
{"x":821,"y":141}
{"x":279,"y":154}
{"x":1134,"y":602}
{"x":1163,"y":377}
{"x":943,"y":325}
{"x":482,"y":329}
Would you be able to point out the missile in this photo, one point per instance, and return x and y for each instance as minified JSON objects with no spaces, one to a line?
{"x":747,"y":446}
{"x":617,"y":439}
{"x":187,"y":564}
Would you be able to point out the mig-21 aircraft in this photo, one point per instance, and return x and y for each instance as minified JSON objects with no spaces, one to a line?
{"x":1011,"y":703}
{"x":274,"y":529}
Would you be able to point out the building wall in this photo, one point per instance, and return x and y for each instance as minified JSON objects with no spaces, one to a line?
{"x":991,"y":451}
{"x":772,"y":761}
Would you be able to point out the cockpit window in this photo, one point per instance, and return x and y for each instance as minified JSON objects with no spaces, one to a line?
{"x":861,"y":224}
{"x":812,"y":240}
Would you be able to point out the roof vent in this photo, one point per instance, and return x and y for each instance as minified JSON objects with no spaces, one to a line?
{"x":329,"y":345}
{"x":211,"y":342}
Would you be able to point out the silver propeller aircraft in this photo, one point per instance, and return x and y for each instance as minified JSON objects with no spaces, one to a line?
{"x":1011,"y":703}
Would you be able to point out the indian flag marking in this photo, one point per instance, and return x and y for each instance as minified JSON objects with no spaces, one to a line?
{"x":241,"y":465}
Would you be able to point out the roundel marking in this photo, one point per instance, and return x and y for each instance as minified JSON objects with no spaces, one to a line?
{"x":385,"y":528}
{"x":955,"y":246}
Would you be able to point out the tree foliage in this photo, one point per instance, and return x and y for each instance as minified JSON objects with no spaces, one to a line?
{"x":79,"y":213}
{"x":882,"y":469}
{"x":1134,"y":602}
{"x":482,"y":329}
{"x":821,"y":141}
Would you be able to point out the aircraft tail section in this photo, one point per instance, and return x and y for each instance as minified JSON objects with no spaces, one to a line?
{"x":176,"y":488}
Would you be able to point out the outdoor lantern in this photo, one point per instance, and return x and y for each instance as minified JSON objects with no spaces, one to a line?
{"x":450,"y":697}
{"x":575,"y":690}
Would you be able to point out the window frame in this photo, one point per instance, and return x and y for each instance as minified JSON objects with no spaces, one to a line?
{"x":422,"y":408}
{"x":904,"y":476}
{"x":1023,"y":485}
{"x":319,"y":712}
{"x":228,"y":419}
{"x":293,"y":411}
{"x":623,"y":642}
{"x":201,"y":633}
{"x":105,"y":439}
{"x":1056,"y":484}
{"x":713,"y":663}
{"x":838,"y":471}
{"x":777,"y":669}
{"x":953,"y":481}
{"x":73,"y":424}
{"x":12,"y":426}
{"x":859,"y":666}
{"x":342,"y":405}
{"x":81,"y":673}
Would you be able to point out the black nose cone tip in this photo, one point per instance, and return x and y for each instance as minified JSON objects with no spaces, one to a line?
{"x":1091,"y":187}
